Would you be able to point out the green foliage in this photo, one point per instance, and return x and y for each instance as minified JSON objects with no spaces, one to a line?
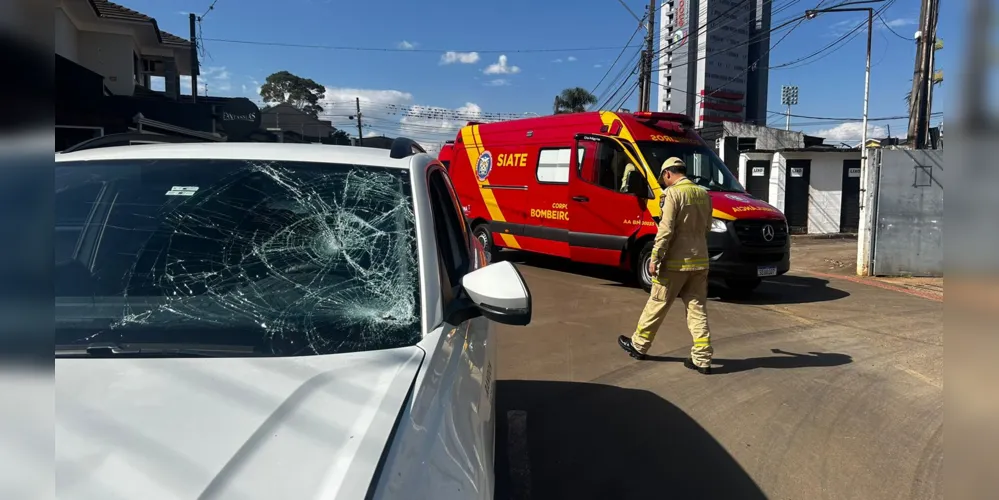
{"x":303,"y":93}
{"x":574,"y":100}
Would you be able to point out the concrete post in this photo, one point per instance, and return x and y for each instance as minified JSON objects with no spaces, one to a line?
{"x":868,"y":211}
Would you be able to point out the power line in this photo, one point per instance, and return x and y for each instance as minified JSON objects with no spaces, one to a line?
{"x":618,"y":58}
{"x":893,"y":31}
{"x":841,"y":119}
{"x":852,"y":34}
{"x":210,"y":7}
{"x":387,"y":49}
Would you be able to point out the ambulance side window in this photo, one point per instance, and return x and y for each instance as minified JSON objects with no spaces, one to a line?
{"x":449,"y":229}
{"x":553,"y":165}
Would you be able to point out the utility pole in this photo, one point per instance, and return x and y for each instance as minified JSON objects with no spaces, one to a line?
{"x":194,"y":57}
{"x":360,"y":134}
{"x":650,"y":49}
{"x":641,"y":81}
{"x":922,"y":76}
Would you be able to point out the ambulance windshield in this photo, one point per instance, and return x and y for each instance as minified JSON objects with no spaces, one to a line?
{"x":703,"y":165}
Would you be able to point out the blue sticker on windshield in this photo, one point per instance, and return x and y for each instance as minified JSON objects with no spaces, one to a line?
{"x":484,"y":166}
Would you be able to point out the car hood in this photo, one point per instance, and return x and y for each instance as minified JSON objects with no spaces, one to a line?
{"x":246,"y":428}
{"x":742,"y":206}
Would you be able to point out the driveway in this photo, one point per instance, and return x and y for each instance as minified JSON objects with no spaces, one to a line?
{"x":823,"y":388}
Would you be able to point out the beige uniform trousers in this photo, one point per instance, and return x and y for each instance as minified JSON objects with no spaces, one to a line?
{"x":692,"y":288}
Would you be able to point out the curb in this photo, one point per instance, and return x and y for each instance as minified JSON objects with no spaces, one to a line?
{"x":921,"y":293}
{"x":824,"y":236}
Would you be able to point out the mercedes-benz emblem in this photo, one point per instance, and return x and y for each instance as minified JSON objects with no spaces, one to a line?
{"x":768,"y":232}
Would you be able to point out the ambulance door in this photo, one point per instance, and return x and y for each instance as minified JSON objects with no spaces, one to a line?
{"x":607,"y":200}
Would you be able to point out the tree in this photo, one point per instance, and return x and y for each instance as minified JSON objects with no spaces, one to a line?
{"x":303,"y":93}
{"x":574,"y":100}
{"x":340,"y":137}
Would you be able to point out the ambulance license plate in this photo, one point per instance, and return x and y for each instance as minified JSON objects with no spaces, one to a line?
{"x":766,"y":271}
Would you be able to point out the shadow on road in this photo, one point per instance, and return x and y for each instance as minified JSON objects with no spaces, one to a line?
{"x":786,"y":289}
{"x":592,"y":441}
{"x":786,"y":360}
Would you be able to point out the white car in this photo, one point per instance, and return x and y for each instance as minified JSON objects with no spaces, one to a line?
{"x":270,"y":321}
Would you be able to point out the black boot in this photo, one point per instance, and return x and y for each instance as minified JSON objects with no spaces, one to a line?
{"x":703,"y":370}
{"x":625,"y":344}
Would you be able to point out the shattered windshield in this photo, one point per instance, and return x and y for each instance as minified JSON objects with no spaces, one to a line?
{"x":703,"y":165}
{"x":285,"y":258}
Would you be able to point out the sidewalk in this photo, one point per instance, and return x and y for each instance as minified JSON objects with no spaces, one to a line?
{"x":837,"y":257}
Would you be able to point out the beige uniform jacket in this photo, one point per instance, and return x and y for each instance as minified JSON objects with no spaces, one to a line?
{"x":682,"y":239}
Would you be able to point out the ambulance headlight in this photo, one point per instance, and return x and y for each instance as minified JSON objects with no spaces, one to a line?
{"x":718,"y":226}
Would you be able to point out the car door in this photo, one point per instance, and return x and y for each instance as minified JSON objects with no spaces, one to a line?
{"x":468,"y":426}
{"x":603,"y":214}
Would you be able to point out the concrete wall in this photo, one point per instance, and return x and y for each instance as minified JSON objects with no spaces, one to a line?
{"x":908,"y":228}
{"x":766,"y":137}
{"x":110,"y":55}
{"x":66,"y":37}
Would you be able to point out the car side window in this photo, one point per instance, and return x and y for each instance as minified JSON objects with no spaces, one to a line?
{"x":449,"y":229}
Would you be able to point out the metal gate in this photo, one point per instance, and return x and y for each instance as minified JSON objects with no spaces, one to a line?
{"x":758,"y":179}
{"x":796,"y":195}
{"x":849,"y":215}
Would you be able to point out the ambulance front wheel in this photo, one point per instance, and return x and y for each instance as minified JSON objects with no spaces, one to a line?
{"x":485,"y":237}
{"x":642,"y":266}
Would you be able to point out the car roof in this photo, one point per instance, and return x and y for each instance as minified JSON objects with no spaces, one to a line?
{"x":259,"y":151}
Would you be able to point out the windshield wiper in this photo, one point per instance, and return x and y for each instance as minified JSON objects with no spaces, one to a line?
{"x":113,"y":350}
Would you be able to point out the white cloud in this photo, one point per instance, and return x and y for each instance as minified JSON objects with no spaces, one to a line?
{"x":841,"y":28}
{"x":407,"y":45}
{"x":850,"y":133}
{"x":571,"y":58}
{"x":598,"y":65}
{"x":557,"y":61}
{"x":501,"y":67}
{"x":394,"y":113}
{"x":452,"y":57}
{"x":498,"y":82}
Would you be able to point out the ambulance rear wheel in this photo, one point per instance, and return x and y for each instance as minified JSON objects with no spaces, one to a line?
{"x":642,"y":267}
{"x":485,"y":237}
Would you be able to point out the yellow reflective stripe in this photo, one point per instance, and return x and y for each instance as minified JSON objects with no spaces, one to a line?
{"x":702,"y":341}
{"x":474,"y":148}
{"x":687,"y":262}
{"x":644,"y":334}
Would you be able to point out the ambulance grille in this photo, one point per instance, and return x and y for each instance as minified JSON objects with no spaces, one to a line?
{"x":751,"y":233}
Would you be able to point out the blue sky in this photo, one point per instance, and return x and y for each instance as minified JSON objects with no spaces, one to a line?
{"x":500,"y":79}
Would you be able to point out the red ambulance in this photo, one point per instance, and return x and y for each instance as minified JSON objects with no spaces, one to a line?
{"x":583,"y":186}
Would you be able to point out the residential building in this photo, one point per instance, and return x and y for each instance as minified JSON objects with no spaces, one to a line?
{"x":106,"y":57}
{"x":713,"y":60}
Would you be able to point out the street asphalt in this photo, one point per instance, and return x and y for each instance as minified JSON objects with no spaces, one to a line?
{"x":823,"y":388}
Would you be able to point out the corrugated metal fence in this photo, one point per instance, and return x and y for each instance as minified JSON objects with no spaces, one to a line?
{"x":908,"y":228}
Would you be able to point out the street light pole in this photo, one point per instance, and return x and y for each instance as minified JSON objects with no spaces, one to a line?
{"x":866,"y":213}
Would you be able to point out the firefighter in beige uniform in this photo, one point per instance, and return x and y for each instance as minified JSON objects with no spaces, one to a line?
{"x":679,"y":267}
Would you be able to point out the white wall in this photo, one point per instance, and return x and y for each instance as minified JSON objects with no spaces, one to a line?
{"x":66,"y":37}
{"x":110,"y":55}
{"x":778,"y":176}
{"x":825,"y":191}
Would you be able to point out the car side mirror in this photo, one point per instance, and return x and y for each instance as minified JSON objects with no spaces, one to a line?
{"x":499,"y":292}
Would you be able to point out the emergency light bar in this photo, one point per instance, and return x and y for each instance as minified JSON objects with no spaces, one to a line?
{"x":658,"y":116}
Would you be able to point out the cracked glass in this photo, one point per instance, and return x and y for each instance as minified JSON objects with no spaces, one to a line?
{"x":282,"y":258}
